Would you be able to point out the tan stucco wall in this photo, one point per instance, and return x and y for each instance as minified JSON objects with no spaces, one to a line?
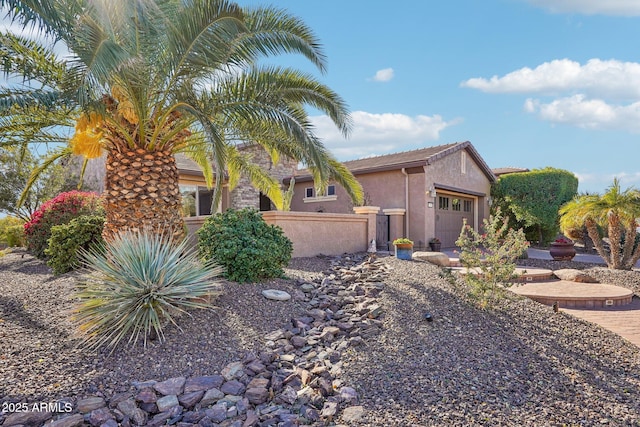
{"x":384,"y":189}
{"x":311,"y":233}
{"x":321,"y":233}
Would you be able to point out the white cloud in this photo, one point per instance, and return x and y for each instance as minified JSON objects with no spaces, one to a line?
{"x":383,"y":75}
{"x":594,"y":182}
{"x":586,"y":113}
{"x":591,"y":7}
{"x":610,"y":78}
{"x":380,"y":133}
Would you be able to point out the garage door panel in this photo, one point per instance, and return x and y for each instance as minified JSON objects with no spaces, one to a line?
{"x":451,"y":211}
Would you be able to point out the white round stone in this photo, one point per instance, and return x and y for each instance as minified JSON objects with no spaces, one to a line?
{"x":276,"y":295}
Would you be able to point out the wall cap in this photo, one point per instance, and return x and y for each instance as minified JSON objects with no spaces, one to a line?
{"x":366,"y":209}
{"x":394,"y":211}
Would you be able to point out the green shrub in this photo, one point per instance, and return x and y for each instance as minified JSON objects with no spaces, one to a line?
{"x":11,"y":231}
{"x":491,"y":256}
{"x":67,"y":239}
{"x":14,"y":235}
{"x":247,"y":247}
{"x":138,"y":284}
{"x":59,"y":210}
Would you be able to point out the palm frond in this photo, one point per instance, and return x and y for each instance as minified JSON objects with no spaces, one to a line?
{"x":46,"y":163}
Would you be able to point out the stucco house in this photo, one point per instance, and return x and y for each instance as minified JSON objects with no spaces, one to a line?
{"x":422,"y":193}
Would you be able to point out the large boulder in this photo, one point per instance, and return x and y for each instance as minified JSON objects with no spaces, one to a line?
{"x":437,"y":258}
{"x":573,"y":275}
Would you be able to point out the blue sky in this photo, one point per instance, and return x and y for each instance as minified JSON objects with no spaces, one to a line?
{"x":531,"y":83}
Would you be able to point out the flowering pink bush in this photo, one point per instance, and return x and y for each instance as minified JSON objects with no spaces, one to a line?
{"x":561,"y":240}
{"x":59,"y":210}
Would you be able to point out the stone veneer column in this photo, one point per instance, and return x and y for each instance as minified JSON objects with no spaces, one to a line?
{"x":396,"y":223}
{"x":371,"y":212}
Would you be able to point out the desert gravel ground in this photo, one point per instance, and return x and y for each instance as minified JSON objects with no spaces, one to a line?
{"x":519,"y":364}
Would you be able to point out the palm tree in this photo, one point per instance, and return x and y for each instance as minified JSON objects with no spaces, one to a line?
{"x":146,"y":79}
{"x":616,"y":210}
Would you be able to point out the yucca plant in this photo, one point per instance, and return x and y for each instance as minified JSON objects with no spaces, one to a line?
{"x":136,"y":285}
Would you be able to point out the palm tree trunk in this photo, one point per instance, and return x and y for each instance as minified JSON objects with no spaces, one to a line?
{"x":142,"y":193}
{"x":592,"y":229}
{"x":614,"y":241}
{"x":629,"y":241}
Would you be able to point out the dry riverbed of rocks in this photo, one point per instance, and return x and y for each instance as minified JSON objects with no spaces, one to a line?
{"x":293,"y":380}
{"x":353,"y":346}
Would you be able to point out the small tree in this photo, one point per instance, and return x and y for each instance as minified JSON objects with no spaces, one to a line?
{"x":490,"y":257}
{"x":532,"y":199}
{"x":15,"y":168}
{"x":617,"y":212}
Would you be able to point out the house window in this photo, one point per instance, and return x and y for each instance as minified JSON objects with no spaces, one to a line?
{"x":455,"y":205}
{"x":463,"y":163}
{"x":331,"y":190}
{"x":308,"y":192}
{"x":189,"y":195}
{"x":443,"y":203}
{"x":196,"y":200}
{"x":468,"y":205}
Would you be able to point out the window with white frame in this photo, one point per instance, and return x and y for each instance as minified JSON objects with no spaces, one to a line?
{"x":310,"y":195}
{"x":308,"y":192}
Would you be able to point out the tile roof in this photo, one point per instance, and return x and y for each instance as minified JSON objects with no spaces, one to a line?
{"x":413,"y":158}
{"x":187,"y":166}
{"x":504,"y":171}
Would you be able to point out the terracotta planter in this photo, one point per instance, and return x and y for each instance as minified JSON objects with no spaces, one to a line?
{"x":404,"y":251}
{"x":562,"y":251}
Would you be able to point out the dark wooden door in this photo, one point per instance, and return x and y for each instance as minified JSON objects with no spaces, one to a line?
{"x":382,"y":232}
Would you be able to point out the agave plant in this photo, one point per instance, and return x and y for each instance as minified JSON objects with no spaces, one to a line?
{"x":137,"y":284}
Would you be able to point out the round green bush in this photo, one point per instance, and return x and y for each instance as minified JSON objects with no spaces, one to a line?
{"x":59,"y":210}
{"x":247,"y":247}
{"x":11,"y":231}
{"x":82,"y":232}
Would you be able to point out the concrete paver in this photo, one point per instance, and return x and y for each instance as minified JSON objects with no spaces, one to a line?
{"x":623,"y":320}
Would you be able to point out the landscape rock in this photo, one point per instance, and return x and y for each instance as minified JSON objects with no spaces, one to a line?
{"x":573,"y":275}
{"x":99,"y":416}
{"x":232,"y":371}
{"x":87,"y":405}
{"x":75,"y":420}
{"x":26,"y":418}
{"x":203,"y":383}
{"x":232,"y":387}
{"x":257,"y":395}
{"x":211,"y":396}
{"x":276,"y":295}
{"x":352,"y":414}
{"x":167,"y":402}
{"x":436,"y":258}
{"x":171,"y":386}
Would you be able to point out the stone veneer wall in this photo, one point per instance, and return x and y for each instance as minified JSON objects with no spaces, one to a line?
{"x":245,"y":195}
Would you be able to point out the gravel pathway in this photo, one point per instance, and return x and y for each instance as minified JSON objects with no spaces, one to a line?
{"x":520,"y":364}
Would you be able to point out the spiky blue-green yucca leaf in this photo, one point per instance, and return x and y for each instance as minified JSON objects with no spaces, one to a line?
{"x":136,"y":284}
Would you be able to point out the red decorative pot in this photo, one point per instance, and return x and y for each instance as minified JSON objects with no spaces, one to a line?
{"x":562,"y":251}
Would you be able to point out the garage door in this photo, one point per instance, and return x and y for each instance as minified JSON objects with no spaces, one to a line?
{"x":451,"y":210}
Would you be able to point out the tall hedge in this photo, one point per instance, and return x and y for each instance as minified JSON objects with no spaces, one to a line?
{"x":532,"y":199}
